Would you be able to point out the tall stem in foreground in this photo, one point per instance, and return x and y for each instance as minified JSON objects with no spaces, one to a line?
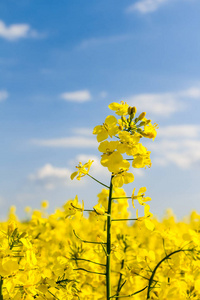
{"x":108,"y":261}
{"x":1,"y":288}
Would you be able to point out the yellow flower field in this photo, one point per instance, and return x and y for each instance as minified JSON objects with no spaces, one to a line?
{"x":103,"y":252}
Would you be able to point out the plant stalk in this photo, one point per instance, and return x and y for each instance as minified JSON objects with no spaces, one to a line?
{"x":1,"y":288}
{"x":108,"y":261}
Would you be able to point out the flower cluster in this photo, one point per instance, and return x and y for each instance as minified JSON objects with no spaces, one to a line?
{"x":120,"y":146}
{"x":127,"y":131}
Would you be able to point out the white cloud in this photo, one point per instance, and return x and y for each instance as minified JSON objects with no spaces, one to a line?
{"x":179,"y":131}
{"x":3,"y":95}
{"x":159,"y":104}
{"x":16,"y":31}
{"x":193,"y":93}
{"x":51,"y":177}
{"x":164,"y":104}
{"x":103,"y":94}
{"x":83,"y":131}
{"x":184,"y":154}
{"x":68,"y":142}
{"x":93,"y":42}
{"x":179,"y":144}
{"x":146,"y":6}
{"x":77,"y":96}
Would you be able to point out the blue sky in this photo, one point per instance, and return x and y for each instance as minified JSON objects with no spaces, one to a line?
{"x":62,"y":63}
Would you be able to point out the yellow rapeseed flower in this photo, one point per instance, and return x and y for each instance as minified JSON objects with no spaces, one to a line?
{"x":120,"y":109}
{"x":109,"y":128}
{"x":82,"y":170}
{"x":123,"y":177}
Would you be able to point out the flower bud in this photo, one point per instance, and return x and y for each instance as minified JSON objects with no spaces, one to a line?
{"x":132,"y":110}
{"x":141,"y":116}
{"x":129,"y":110}
{"x":142,"y":124}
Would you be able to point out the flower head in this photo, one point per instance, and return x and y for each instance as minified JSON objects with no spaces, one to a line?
{"x":120,"y":109}
{"x":82,"y":170}
{"x":109,"y":128}
{"x":140,"y":196}
{"x":150,"y":130}
{"x":123,"y":177}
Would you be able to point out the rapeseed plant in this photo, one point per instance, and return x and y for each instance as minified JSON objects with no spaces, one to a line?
{"x":107,"y":255}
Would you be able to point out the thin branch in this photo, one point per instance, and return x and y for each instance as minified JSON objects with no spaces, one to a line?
{"x":124,"y":219}
{"x":98,"y":181}
{"x":158,"y":264}
{"x":89,"y":261}
{"x":65,"y":280}
{"x":128,"y":296}
{"x":119,"y":286}
{"x":104,"y":249}
{"x":115,"y":198}
{"x":84,"y":241}
{"x":80,"y":209}
{"x":53,"y":295}
{"x":82,"y":269}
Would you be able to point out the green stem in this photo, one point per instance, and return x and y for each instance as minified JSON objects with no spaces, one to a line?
{"x":84,"y":241}
{"x":83,"y":259}
{"x":156,"y":267}
{"x":108,"y":261}
{"x":1,"y":288}
{"x":120,"y":280}
{"x":82,"y":269}
{"x":124,"y":220}
{"x":128,"y":296}
{"x":115,"y":198}
{"x":98,"y":181}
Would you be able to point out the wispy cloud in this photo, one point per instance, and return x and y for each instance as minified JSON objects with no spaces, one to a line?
{"x":77,"y":96}
{"x":3,"y":95}
{"x":81,"y":138}
{"x":146,"y":6}
{"x":164,"y":104}
{"x":66,"y":142}
{"x":178,"y":144}
{"x":85,"y":131}
{"x":158,"y":104}
{"x":93,"y":42}
{"x":51,"y":177}
{"x":103,"y":94}
{"x":179,"y":131}
{"x":16,"y":31}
